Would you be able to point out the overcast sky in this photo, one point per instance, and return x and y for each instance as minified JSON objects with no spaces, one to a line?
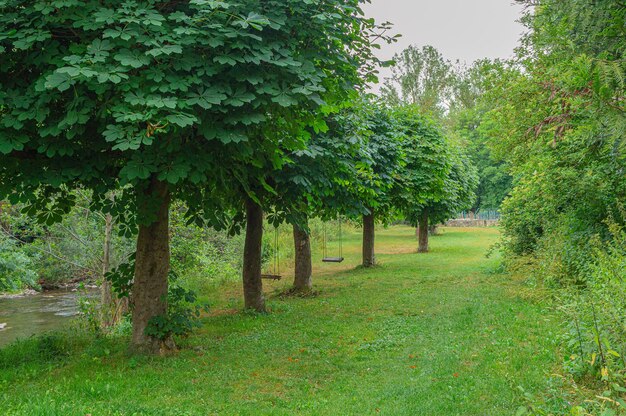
{"x":460,"y":29}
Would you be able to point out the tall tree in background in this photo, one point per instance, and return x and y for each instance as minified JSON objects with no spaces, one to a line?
{"x":458,"y":195}
{"x":421,"y":77}
{"x":314,"y":185}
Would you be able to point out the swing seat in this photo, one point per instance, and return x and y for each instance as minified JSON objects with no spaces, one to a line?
{"x":271,"y":276}
{"x":333,"y":259}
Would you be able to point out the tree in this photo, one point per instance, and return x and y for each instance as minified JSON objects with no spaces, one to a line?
{"x":159,"y":97}
{"x":423,"y":78}
{"x":465,"y":124}
{"x":426,"y":178}
{"x":384,"y":159}
{"x":458,"y":195}
{"x":363,"y":156}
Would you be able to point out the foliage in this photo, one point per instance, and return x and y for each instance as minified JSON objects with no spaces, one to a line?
{"x":183,"y":313}
{"x":347,"y":169}
{"x":191,"y":98}
{"x":17,"y":270}
{"x":378,"y":160}
{"x":467,"y":124}
{"x":559,"y":122}
{"x":427,"y":82}
{"x":147,"y":85}
{"x":202,"y":256}
{"x":436,"y":175}
{"x":596,"y":329}
{"x":423,"y":78}
{"x":69,"y":251}
{"x":459,"y":188}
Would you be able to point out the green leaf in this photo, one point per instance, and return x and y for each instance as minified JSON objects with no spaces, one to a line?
{"x":136,"y":169}
{"x":182,"y":120}
{"x":59,"y":81}
{"x":206,"y":98}
{"x":9,"y":143}
{"x":284,"y":99}
{"x":240,"y":97}
{"x":133,"y":59}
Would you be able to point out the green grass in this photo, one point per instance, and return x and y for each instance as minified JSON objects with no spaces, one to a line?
{"x":436,"y":334}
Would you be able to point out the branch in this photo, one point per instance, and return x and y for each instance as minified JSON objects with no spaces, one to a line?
{"x":50,"y":253}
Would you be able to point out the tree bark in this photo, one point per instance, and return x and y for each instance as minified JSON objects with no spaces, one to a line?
{"x":302,"y":282}
{"x":106,"y":305}
{"x":369,"y":232}
{"x":112,"y":308}
{"x":423,"y":232}
{"x":252,"y":282}
{"x":152,"y":267}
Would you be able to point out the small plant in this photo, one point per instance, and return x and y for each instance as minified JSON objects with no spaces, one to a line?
{"x":89,"y":311}
{"x":183,"y":313}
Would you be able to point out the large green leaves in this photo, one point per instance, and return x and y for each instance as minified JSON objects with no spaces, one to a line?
{"x":206,"y":95}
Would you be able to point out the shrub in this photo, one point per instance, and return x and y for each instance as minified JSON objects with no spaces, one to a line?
{"x":16,"y":268}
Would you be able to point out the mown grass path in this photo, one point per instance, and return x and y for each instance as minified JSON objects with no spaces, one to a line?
{"x":435,"y":334}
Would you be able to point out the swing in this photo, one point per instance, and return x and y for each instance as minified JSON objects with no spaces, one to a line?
{"x":275,"y":274}
{"x":326,"y":258}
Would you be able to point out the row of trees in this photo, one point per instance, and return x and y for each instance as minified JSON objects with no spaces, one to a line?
{"x":238,"y":110}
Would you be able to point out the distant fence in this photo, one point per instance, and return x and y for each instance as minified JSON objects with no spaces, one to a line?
{"x":472,"y":223}
{"x":475,"y":219}
{"x":480,"y":215}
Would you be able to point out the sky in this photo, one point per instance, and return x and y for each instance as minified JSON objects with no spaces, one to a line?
{"x":466,"y":30}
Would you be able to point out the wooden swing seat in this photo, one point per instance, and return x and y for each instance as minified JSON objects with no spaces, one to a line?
{"x":333,"y":259}
{"x":271,"y":276}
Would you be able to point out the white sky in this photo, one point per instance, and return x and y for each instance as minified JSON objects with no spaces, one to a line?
{"x":466,"y":30}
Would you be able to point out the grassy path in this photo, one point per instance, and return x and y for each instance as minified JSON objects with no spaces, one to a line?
{"x":436,"y":334}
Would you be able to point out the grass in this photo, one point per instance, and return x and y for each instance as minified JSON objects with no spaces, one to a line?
{"x":436,"y":334}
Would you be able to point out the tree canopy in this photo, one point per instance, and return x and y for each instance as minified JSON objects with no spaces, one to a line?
{"x":173,"y":98}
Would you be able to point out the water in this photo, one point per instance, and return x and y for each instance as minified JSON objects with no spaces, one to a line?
{"x":36,"y":314}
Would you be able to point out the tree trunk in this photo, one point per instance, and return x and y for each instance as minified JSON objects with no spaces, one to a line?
{"x":152,"y":267}
{"x":112,"y":307}
{"x":369,"y":258}
{"x":423,"y":232}
{"x":107,"y":306}
{"x":302,"y":282}
{"x":252,"y":283}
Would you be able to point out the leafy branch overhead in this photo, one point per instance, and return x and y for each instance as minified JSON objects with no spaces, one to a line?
{"x":99,"y":93}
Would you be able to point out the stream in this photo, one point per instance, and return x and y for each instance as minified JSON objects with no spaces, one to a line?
{"x":35,"y":314}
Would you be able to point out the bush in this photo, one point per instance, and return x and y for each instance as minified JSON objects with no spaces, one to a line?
{"x":16,"y":268}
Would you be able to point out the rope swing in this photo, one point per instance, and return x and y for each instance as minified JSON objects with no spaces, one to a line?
{"x":275,"y":274}
{"x":326,"y":258}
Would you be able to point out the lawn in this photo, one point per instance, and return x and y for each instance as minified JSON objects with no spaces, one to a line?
{"x":437,"y":334}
